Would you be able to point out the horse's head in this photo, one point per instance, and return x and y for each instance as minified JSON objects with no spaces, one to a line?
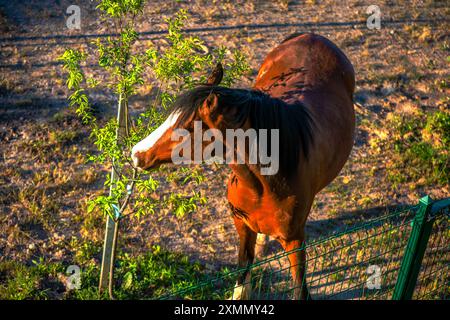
{"x":156,"y":148}
{"x":199,"y":105}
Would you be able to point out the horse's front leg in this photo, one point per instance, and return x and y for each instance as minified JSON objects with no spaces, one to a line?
{"x":247,"y":240}
{"x":261,"y":246}
{"x":297,"y":262}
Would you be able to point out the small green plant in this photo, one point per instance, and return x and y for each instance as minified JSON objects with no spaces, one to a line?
{"x":148,"y":276}
{"x":183,"y":204}
{"x":420,"y":146}
{"x":19,"y":282}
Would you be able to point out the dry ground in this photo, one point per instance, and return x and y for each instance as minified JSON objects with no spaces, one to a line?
{"x":44,"y":182}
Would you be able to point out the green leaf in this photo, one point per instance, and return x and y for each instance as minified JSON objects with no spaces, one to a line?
{"x":128,"y":280}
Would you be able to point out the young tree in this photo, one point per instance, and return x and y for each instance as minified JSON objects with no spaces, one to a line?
{"x":179,"y":66}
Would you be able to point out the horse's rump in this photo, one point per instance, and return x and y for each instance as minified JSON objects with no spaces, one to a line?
{"x":303,"y":63}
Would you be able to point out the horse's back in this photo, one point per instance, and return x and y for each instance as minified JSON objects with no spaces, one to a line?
{"x":302,"y":63}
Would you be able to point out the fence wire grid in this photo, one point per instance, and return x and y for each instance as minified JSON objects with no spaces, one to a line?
{"x":361,"y":263}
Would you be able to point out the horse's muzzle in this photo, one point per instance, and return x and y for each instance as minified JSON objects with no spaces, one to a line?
{"x":144,"y":161}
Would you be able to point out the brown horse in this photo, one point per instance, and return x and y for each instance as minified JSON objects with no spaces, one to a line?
{"x":304,"y":88}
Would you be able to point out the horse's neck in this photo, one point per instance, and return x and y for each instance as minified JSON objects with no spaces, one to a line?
{"x":251,"y":176}
{"x":246,"y":175}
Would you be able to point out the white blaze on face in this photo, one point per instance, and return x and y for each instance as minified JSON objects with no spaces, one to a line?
{"x":150,"y":141}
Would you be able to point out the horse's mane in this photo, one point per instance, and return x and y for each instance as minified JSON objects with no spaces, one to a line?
{"x":264,"y":112}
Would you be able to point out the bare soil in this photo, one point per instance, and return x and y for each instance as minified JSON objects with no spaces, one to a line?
{"x":45,"y":183}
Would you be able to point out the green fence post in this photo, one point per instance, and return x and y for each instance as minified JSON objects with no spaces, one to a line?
{"x":414,"y":252}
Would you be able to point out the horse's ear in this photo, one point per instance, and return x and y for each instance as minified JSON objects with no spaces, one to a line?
{"x":216,"y":75}
{"x":210,"y":104}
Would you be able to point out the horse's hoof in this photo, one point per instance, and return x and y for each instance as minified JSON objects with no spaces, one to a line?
{"x":242,"y":292}
{"x":261,"y":246}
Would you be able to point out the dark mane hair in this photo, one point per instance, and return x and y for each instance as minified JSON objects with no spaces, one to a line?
{"x":264,"y":112}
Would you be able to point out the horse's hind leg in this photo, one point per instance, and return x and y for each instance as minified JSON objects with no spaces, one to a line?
{"x":247,"y":240}
{"x":297,"y":262}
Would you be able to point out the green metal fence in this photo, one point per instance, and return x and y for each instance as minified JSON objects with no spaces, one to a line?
{"x":401,"y":255}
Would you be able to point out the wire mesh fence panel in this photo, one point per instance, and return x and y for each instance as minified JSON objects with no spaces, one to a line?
{"x":268,"y":280}
{"x":360,"y":263}
{"x":434,"y":276}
